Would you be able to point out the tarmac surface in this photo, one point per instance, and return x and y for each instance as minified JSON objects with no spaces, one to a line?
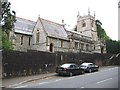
{"x":11,"y":82}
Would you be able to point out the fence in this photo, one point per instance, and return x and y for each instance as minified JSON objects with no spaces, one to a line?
{"x":16,"y":63}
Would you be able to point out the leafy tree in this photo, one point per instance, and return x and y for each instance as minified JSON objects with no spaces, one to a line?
{"x":101,"y":32}
{"x":112,"y":46}
{"x":8,"y":20}
{"x":6,"y":44}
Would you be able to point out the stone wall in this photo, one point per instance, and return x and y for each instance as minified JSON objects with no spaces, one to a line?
{"x":16,"y":63}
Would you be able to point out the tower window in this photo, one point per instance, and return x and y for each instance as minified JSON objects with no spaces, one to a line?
{"x":84,"y":24}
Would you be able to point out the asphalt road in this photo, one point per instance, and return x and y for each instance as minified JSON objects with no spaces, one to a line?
{"x":106,"y":77}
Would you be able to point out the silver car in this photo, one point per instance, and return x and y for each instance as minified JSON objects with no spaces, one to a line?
{"x":89,"y":67}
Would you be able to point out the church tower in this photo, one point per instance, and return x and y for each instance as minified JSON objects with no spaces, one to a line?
{"x":86,"y":25}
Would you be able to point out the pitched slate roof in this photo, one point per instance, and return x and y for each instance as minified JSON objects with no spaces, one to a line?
{"x":24,"y":26}
{"x":54,"y":29}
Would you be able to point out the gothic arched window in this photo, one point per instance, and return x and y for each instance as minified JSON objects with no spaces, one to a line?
{"x":37,"y":37}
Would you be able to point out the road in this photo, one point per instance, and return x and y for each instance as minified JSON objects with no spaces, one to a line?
{"x":106,"y":77}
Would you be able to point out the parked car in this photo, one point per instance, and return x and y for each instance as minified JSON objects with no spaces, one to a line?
{"x":69,"y":69}
{"x":89,"y":67}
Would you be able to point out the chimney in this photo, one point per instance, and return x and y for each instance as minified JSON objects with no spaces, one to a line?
{"x":63,"y":23}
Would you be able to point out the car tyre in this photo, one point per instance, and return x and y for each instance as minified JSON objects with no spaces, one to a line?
{"x":71,"y":74}
{"x":82,"y":72}
{"x":90,"y":70}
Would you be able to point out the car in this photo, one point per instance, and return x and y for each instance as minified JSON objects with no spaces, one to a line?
{"x":89,"y":67}
{"x":69,"y":69}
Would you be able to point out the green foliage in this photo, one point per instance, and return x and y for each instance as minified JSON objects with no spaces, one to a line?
{"x":5,"y":43}
{"x":101,"y":32}
{"x":8,"y":20}
{"x":112,"y":46}
{"x":8,"y":17}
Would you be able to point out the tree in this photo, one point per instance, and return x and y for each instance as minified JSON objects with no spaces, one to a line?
{"x":8,"y":18}
{"x":6,"y":44}
{"x":112,"y":46}
{"x":101,"y":32}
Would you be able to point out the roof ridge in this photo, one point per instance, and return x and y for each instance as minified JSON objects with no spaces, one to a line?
{"x":26,"y":19}
{"x":52,"y":21}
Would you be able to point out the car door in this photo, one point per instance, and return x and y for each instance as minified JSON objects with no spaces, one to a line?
{"x":91,"y":67}
{"x":74,"y":69}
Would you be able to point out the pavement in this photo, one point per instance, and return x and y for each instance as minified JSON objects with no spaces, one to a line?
{"x":10,"y":82}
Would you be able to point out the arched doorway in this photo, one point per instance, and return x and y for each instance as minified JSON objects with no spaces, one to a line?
{"x":51,"y":47}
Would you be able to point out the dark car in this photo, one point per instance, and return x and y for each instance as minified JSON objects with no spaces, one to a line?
{"x":69,"y":69}
{"x":89,"y":67}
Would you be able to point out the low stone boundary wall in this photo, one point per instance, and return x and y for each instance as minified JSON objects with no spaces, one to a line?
{"x":16,"y":63}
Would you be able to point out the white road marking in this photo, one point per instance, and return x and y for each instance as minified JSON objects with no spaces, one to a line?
{"x":58,"y":80}
{"x":103,"y":81}
{"x":82,"y":87}
{"x":68,"y":78}
{"x":21,"y":86}
{"x":43,"y":83}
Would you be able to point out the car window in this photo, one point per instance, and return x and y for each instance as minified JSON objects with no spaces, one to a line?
{"x":73,"y":66}
{"x":92,"y":65}
{"x":83,"y":65}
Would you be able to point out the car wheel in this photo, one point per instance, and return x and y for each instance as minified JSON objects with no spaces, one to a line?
{"x":90,"y":70}
{"x":97,"y":69}
{"x":82,"y":72}
{"x":71,"y":74}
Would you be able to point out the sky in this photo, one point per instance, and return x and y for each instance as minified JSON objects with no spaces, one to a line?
{"x":56,"y":10}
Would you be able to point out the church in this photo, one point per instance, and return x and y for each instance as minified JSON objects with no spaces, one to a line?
{"x":48,"y":36}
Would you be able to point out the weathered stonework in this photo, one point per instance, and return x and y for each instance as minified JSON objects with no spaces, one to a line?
{"x":48,"y":36}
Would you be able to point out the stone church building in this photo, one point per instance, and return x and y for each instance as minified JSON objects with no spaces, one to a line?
{"x":48,"y":36}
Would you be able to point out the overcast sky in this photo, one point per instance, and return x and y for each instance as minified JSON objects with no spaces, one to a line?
{"x":56,"y":10}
